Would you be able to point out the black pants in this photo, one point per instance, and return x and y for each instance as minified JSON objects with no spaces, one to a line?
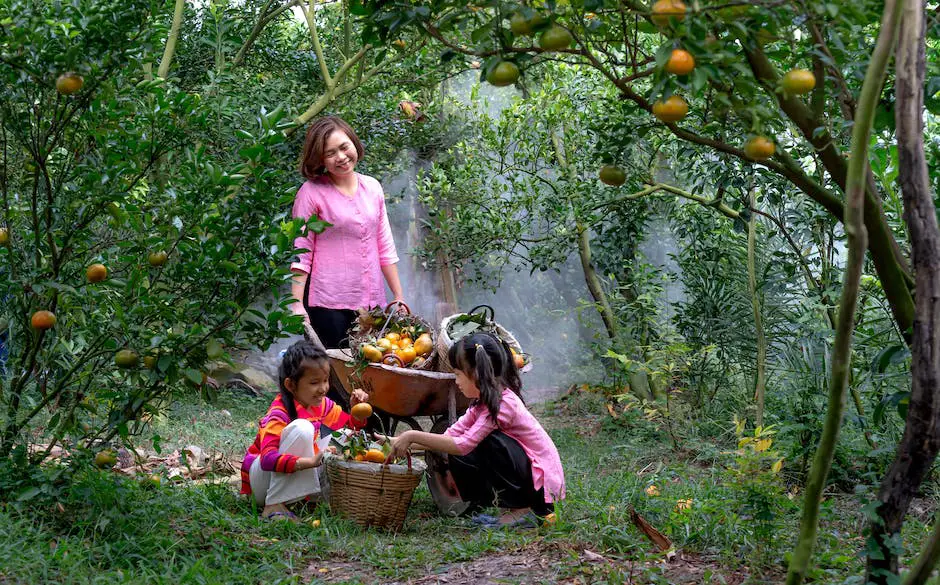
{"x":332,"y":327}
{"x":498,"y":473}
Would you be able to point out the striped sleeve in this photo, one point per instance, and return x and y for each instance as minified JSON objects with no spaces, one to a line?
{"x":272,"y":425}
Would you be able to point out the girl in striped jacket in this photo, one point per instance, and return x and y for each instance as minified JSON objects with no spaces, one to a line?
{"x":280,"y":466}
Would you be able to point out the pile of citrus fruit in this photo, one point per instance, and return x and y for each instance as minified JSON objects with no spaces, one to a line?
{"x":406,"y":348}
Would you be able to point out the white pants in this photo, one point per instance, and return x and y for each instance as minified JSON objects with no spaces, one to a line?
{"x":271,"y":487}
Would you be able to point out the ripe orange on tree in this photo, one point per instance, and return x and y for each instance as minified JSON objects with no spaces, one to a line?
{"x":663,"y":10}
{"x":4,"y":236}
{"x":680,"y":62}
{"x":555,"y":38}
{"x":69,"y":83}
{"x":612,"y":175}
{"x":759,"y":148}
{"x":798,"y":81}
{"x":96,"y":273}
{"x":43,"y":320}
{"x":505,"y":73}
{"x":672,"y":110}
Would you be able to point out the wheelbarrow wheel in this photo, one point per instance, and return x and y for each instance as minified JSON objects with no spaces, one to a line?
{"x":440,"y":482}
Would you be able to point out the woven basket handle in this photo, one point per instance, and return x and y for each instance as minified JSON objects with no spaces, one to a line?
{"x":407,"y":456}
{"x":400,"y":304}
{"x":486,"y":308}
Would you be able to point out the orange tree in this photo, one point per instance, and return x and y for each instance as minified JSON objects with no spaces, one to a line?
{"x":777,"y":85}
{"x":133,"y":254}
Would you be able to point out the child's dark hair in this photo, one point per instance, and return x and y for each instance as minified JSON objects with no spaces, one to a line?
{"x":489,"y":362}
{"x":292,"y":366}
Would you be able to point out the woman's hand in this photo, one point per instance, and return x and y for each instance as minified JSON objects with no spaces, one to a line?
{"x":400,"y":445}
{"x":357,"y":396}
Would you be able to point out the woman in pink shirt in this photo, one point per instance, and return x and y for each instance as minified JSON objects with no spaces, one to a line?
{"x":499,"y":453}
{"x":343,"y":267}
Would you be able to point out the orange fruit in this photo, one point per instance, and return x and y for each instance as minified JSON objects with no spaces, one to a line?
{"x":4,"y":236}
{"x":105,"y":458}
{"x":759,"y":148}
{"x":384,"y":344}
{"x":405,"y":342}
{"x":361,"y":411}
{"x":798,"y":81}
{"x":157,"y":258}
{"x":555,"y":38}
{"x":671,"y":110}
{"x":43,"y":320}
{"x":612,"y":175}
{"x":96,"y":273}
{"x":375,"y":456}
{"x":522,"y":26}
{"x":663,"y":10}
{"x":359,"y":457}
{"x":150,"y":362}
{"x":423,"y":345}
{"x":407,"y":354}
{"x":371,"y":353}
{"x":69,"y":83}
{"x":680,"y":62}
{"x":505,"y":73}
{"x":519,"y":360}
{"x":393,"y":336}
{"x":126,"y":358}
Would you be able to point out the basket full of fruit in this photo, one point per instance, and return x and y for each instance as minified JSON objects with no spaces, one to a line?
{"x":367,"y":488}
{"x":394,"y":337}
{"x":480,"y":319}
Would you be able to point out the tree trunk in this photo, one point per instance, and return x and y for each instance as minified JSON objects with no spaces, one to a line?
{"x":758,"y":320}
{"x":921,"y":440}
{"x":855,"y":210}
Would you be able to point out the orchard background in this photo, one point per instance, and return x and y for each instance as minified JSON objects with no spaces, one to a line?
{"x":712,"y":225}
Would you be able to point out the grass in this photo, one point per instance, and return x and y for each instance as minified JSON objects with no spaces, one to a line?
{"x":112,"y":529}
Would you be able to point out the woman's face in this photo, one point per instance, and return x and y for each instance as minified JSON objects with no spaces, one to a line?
{"x":312,"y":386}
{"x":467,"y":385}
{"x":339,"y":155}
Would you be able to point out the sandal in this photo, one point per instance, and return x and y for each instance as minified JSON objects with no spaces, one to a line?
{"x":527,"y":520}
{"x":289,"y":516}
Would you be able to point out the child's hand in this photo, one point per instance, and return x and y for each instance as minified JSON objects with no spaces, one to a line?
{"x":331,"y":449}
{"x":399,"y":445}
{"x":357,"y":396}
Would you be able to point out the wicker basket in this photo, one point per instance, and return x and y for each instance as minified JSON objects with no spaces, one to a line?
{"x":357,"y":338}
{"x":444,"y":341}
{"x":373,"y":494}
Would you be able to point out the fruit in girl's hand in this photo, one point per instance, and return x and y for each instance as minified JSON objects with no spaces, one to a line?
{"x":517,"y":358}
{"x":43,"y":320}
{"x":96,"y":273}
{"x":680,"y":62}
{"x":361,"y":411}
{"x":672,"y":110}
{"x":371,"y":353}
{"x":663,"y":10}
{"x":423,"y":345}
{"x":798,"y":81}
{"x":375,"y":456}
{"x":759,"y":148}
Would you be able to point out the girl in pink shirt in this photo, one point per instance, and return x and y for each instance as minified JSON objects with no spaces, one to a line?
{"x":344,"y":265}
{"x":499,"y":453}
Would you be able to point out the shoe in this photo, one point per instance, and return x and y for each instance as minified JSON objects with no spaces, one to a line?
{"x":484,"y":519}
{"x":277,"y":516}
{"x":527,"y":520}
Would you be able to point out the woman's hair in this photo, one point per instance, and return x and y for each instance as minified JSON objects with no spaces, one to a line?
{"x":489,"y":363}
{"x":292,"y":366}
{"x":311,"y":163}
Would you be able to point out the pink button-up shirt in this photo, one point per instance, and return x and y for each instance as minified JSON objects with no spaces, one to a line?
{"x":517,"y":422}
{"x":347,"y":258}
